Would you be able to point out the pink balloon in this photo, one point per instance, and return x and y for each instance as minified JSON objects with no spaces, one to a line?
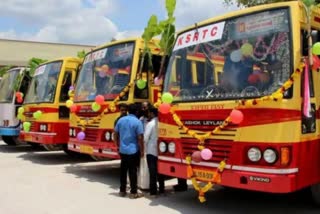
{"x":99,"y":99}
{"x":236,"y":116}
{"x":206,"y":154}
{"x":81,"y":135}
{"x":196,"y":156}
{"x":164,"y":108}
{"x":73,"y":108}
{"x":157,"y":81}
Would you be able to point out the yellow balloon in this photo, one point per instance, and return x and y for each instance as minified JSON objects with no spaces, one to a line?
{"x":69,"y":103}
{"x":246,"y":49}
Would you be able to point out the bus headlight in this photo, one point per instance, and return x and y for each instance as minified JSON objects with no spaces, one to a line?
{"x":107,"y":136}
{"x":172,"y":147}
{"x":270,"y":156}
{"x":74,"y":132}
{"x":112,"y":136}
{"x":254,"y":154}
{"x":162,"y":147}
{"x":70,"y":132}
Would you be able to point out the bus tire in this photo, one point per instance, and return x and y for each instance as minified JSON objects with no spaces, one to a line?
{"x":11,"y":140}
{"x":315,"y":191}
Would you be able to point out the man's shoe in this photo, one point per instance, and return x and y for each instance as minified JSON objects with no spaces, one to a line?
{"x":135,"y":195}
{"x":180,"y":188}
{"x":122,"y":194}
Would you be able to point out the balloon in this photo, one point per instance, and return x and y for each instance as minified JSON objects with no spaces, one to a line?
{"x":264,"y":77}
{"x":26,"y":126}
{"x":206,"y":154}
{"x":71,"y":88}
{"x":196,"y":156}
{"x":70,"y":93}
{"x":253,"y":79}
{"x":164,"y":108}
{"x":99,"y":99}
{"x":37,"y":114}
{"x":95,"y":106}
{"x":167,"y":97}
{"x":157,"y":81}
{"x":18,"y":94}
{"x":246,"y":49}
{"x":20,"y":110}
{"x":19,"y":116}
{"x":141,"y":84}
{"x":74,"y":108}
{"x":81,"y":135}
{"x":69,"y":103}
{"x":316,"y":62}
{"x":316,"y":48}
{"x":236,"y":56}
{"x":236,"y":116}
{"x":91,"y":97}
{"x":19,"y":100}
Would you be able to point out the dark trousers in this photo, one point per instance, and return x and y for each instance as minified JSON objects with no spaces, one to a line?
{"x":154,"y":176}
{"x":129,"y":163}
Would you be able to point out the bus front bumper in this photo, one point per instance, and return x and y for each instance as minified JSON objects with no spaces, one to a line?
{"x":107,"y":150}
{"x":38,"y":137}
{"x":250,"y":178}
{"x":9,"y":131}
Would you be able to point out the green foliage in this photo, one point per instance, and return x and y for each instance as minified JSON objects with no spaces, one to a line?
{"x":81,"y":54}
{"x":34,"y":63}
{"x":165,"y":28}
{"x":250,"y":3}
{"x":4,"y":69}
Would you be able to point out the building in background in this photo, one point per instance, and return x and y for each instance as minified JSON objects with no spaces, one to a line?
{"x":18,"y":53}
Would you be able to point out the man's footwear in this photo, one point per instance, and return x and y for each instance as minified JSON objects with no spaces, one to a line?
{"x":180,"y":188}
{"x":122,"y":194}
{"x":135,"y":195}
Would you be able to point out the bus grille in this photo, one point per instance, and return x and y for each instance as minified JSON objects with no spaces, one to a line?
{"x":220,"y":144}
{"x":91,"y":134}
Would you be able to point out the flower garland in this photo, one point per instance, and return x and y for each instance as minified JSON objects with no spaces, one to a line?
{"x":111,"y":107}
{"x":276,"y":96}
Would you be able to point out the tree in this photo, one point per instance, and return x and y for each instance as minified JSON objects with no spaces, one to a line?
{"x":250,"y":3}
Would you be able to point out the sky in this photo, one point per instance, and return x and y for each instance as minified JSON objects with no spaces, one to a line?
{"x":94,"y":22}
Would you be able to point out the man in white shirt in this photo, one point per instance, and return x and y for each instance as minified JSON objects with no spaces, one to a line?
{"x":150,"y":140}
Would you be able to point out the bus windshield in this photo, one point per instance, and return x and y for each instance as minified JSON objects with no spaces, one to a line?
{"x":242,"y":57}
{"x":105,"y":72}
{"x":44,"y":83}
{"x":7,"y":85}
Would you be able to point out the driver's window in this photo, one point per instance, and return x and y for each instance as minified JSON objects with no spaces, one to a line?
{"x":66,"y":83}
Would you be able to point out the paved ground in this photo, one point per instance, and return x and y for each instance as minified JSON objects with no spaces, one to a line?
{"x":39,"y":182}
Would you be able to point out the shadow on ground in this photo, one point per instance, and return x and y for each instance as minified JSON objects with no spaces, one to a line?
{"x":53,"y":158}
{"x":19,"y":149}
{"x":220,"y":200}
{"x":106,"y":172}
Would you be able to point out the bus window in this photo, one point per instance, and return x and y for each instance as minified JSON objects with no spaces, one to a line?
{"x":66,"y":83}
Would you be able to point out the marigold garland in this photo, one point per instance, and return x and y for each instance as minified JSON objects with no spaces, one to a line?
{"x":276,"y":96}
{"x":111,"y":107}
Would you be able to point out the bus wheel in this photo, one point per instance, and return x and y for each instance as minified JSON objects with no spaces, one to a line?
{"x":315,"y":191}
{"x":50,"y":147}
{"x":97,"y":158}
{"x":11,"y":140}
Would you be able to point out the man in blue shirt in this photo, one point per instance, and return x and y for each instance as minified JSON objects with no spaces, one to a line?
{"x":129,"y":138}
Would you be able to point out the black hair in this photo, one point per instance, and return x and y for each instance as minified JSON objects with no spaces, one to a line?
{"x":132,"y":108}
{"x":123,"y":105}
{"x":154,"y":111}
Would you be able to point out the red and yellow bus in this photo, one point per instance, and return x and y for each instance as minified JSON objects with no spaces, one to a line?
{"x":45,"y":115}
{"x":110,"y":72}
{"x":240,"y":93}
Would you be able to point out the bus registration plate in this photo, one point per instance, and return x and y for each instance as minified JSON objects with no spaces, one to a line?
{"x":203,"y":175}
{"x":86,"y":149}
{"x":28,"y":138}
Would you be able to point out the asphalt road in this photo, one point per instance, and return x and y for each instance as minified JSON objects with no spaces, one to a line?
{"x":33,"y":181}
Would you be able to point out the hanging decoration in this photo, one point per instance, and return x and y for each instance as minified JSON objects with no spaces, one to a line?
{"x":236,"y":117}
